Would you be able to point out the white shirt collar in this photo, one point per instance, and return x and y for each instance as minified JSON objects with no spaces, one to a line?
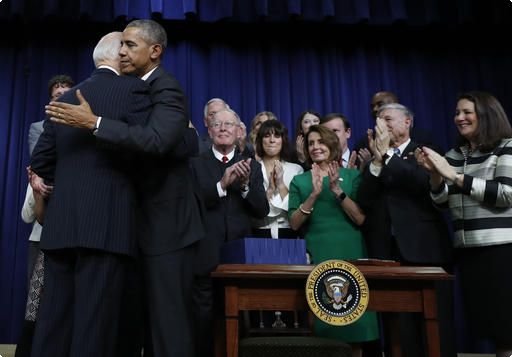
{"x":403,"y":146}
{"x":111,"y":68}
{"x":146,"y":76}
{"x":345,"y":157}
{"x":219,"y":155}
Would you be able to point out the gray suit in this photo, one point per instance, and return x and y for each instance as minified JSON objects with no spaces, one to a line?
{"x":34,"y":132}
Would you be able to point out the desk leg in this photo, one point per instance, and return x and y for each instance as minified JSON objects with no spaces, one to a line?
{"x":393,"y":326}
{"x":431,"y":322}
{"x":231,"y":310}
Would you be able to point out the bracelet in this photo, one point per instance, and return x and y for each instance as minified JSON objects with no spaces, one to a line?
{"x":304,"y":211}
{"x":341,"y":197}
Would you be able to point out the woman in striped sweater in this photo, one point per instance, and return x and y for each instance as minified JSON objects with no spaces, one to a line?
{"x":475,"y":181}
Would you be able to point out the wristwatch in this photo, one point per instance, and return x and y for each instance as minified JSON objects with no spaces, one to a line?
{"x":341,"y":197}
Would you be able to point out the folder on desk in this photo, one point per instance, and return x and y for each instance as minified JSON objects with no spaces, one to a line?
{"x":264,"y":251}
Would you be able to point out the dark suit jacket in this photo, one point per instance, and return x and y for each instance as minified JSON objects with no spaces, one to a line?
{"x":397,"y":204}
{"x":420,"y":136}
{"x":170,"y":207}
{"x":93,"y":202}
{"x":229,"y":217}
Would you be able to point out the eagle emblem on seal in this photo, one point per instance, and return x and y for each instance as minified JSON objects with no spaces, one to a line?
{"x":336,"y":292}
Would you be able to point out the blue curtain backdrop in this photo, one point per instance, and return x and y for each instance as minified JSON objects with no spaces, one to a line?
{"x":281,"y":55}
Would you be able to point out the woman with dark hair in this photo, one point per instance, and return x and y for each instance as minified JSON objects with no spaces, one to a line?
{"x":272,"y":149}
{"x":305,"y":120}
{"x":474,"y":180}
{"x":323,"y":202}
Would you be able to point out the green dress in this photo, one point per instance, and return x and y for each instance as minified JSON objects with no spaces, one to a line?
{"x":330,"y":234}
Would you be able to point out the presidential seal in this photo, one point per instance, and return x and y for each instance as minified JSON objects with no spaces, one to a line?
{"x":337,"y":292}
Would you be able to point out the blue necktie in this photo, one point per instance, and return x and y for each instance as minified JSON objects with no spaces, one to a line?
{"x":396,"y":151}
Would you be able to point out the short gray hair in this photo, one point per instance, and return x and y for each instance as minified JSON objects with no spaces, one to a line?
{"x":397,"y":106}
{"x":229,"y":110}
{"x":213,"y":100}
{"x":107,"y":48}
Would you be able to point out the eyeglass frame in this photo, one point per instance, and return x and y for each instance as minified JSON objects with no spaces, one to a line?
{"x":226,"y":124}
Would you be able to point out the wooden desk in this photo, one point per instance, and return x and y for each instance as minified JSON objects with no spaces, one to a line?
{"x":282,"y":287}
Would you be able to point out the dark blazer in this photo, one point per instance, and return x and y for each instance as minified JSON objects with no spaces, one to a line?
{"x":93,"y":202}
{"x":170,"y":207}
{"x":229,"y":217}
{"x":418,"y":135}
{"x":398,"y":206}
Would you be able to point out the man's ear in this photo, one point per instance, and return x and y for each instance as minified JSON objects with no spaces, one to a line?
{"x":349,"y":133}
{"x":156,"y":51}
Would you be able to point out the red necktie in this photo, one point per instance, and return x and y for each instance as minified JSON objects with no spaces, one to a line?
{"x":225,"y":159}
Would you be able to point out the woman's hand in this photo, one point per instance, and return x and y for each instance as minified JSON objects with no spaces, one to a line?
{"x":271,"y":185}
{"x":278,"y":173}
{"x":438,"y":163}
{"x":316,"y":180}
{"x":334,"y":178}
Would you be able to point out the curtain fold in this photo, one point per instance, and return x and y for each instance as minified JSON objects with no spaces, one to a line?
{"x":378,"y":12}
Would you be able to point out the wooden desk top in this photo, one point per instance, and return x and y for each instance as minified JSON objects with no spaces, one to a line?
{"x":374,"y":271}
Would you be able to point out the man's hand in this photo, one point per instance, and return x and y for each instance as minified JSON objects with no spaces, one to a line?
{"x":243,"y":171}
{"x":377,"y":157}
{"x":382,"y":138}
{"x":364,"y":155}
{"x":78,"y":116}
{"x":38,"y":185}
{"x":352,"y":160}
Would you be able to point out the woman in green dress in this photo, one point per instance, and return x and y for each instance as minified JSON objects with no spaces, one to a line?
{"x":322,"y":204}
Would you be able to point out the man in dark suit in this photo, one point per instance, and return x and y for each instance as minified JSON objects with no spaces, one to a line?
{"x":420,"y":136}
{"x":233,"y":192}
{"x":89,"y":231}
{"x":170,"y":222}
{"x":401,"y":222}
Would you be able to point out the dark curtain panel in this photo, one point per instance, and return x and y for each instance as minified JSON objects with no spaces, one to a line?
{"x":375,"y":12}
{"x":284,"y":56}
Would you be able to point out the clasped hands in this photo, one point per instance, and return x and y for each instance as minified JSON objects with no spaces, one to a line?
{"x":238,"y":172}
{"x":275,"y":179}
{"x":334,"y":178}
{"x":380,"y":144}
{"x":78,"y":116}
{"x":38,"y":185}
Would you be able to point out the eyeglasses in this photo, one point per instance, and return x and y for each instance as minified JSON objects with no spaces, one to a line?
{"x":227,"y":124}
